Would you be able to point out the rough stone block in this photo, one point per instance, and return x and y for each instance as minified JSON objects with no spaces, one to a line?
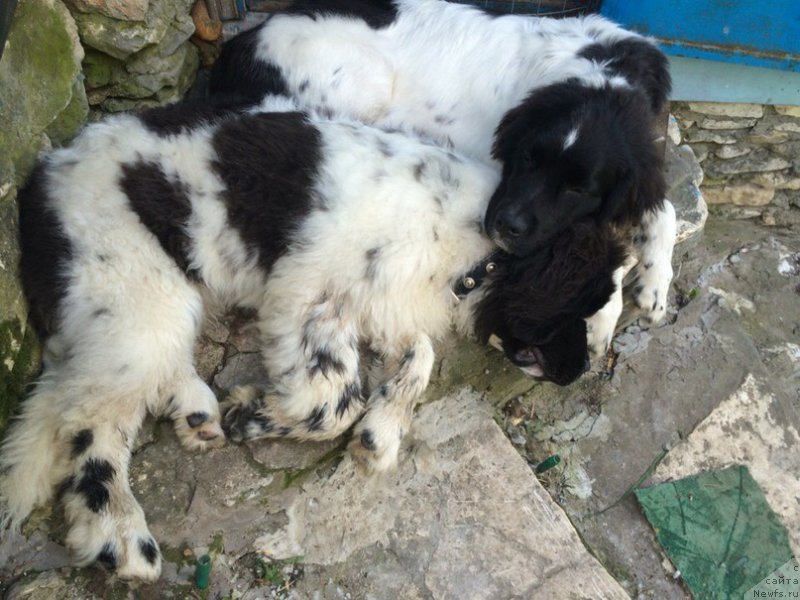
{"x":778,"y":180}
{"x":758,"y":161}
{"x":791,"y":111}
{"x":728,"y":109}
{"x":727,"y":124}
{"x":40,"y":64}
{"x":120,"y":38}
{"x":791,"y":126}
{"x":124,"y":10}
{"x":704,"y":135}
{"x":746,"y":194}
{"x":731,"y":151}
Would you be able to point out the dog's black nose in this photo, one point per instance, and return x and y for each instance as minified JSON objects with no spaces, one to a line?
{"x":587,"y":365}
{"x":511,"y":224}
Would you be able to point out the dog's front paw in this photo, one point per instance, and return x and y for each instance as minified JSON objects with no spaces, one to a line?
{"x":200,"y":430}
{"x":600,"y":327}
{"x":599,"y":333}
{"x":376,"y":443}
{"x":650,"y":291}
{"x":196,"y":417}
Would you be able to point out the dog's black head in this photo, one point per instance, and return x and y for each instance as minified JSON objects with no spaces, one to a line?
{"x":572,"y":152}
{"x":537,"y":304}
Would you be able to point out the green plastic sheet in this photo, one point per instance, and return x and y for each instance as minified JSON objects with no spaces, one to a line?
{"x":718,"y":530}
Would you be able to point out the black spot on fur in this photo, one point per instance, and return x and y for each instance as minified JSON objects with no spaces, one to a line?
{"x":419,"y":169}
{"x":384,"y":148}
{"x":268,"y":163}
{"x":351,"y":393}
{"x":162,"y":205}
{"x":237,"y":71}
{"x":284,"y":431}
{"x":641,"y":63}
{"x":375,"y":13}
{"x":368,"y":440}
{"x":108,"y":556}
{"x":408,"y":356}
{"x":100,"y":312}
{"x":46,"y":253}
{"x":314,"y":421}
{"x":173,"y":119}
{"x":196,"y":419}
{"x":648,"y":265}
{"x":373,"y":259}
{"x":303,"y":86}
{"x":96,"y":473}
{"x":265,"y":424}
{"x":149,"y":550}
{"x":81,"y":441}
{"x":324,"y":362}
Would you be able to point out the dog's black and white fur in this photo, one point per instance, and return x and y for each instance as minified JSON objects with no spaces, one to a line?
{"x":564,"y":107}
{"x":338,"y":234}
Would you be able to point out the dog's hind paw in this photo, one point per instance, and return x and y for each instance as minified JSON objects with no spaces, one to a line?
{"x":123,"y":546}
{"x":243,"y":415}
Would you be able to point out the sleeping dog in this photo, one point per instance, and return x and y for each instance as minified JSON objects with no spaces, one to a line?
{"x":564,"y":108}
{"x":339,"y":235}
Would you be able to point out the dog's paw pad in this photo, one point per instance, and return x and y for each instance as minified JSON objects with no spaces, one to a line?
{"x":374,"y":452}
{"x":200,"y":431}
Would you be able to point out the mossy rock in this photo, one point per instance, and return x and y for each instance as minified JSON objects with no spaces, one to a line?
{"x":174,"y":86}
{"x":41,"y":62}
{"x":19,"y":361}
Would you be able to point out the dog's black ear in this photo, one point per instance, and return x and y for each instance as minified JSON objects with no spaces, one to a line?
{"x":640,"y":62}
{"x":535,"y":116}
{"x":619,"y":200}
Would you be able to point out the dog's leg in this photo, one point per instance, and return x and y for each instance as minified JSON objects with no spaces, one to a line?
{"x":653,"y":273}
{"x":377,"y":436}
{"x":600,"y":327}
{"x":106,"y":522}
{"x":315,"y":390}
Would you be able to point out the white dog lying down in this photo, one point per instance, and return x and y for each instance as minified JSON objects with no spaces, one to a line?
{"x":338,"y":234}
{"x":565,"y":108}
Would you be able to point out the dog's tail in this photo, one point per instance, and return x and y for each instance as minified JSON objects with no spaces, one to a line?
{"x":30,"y":457}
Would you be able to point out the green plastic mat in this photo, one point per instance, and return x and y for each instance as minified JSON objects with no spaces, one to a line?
{"x":719,"y":531}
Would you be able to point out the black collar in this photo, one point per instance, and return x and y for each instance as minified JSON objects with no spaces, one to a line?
{"x":473,"y":279}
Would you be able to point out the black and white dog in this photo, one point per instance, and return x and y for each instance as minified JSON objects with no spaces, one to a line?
{"x":564,"y":108}
{"x":338,"y":234}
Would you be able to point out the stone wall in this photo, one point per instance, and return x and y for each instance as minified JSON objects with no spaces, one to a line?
{"x":42,"y":103}
{"x":60,"y":58}
{"x":137,"y":51}
{"x":750,"y":155}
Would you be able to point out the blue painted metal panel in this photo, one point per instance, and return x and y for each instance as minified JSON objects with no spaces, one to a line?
{"x":750,"y":32}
